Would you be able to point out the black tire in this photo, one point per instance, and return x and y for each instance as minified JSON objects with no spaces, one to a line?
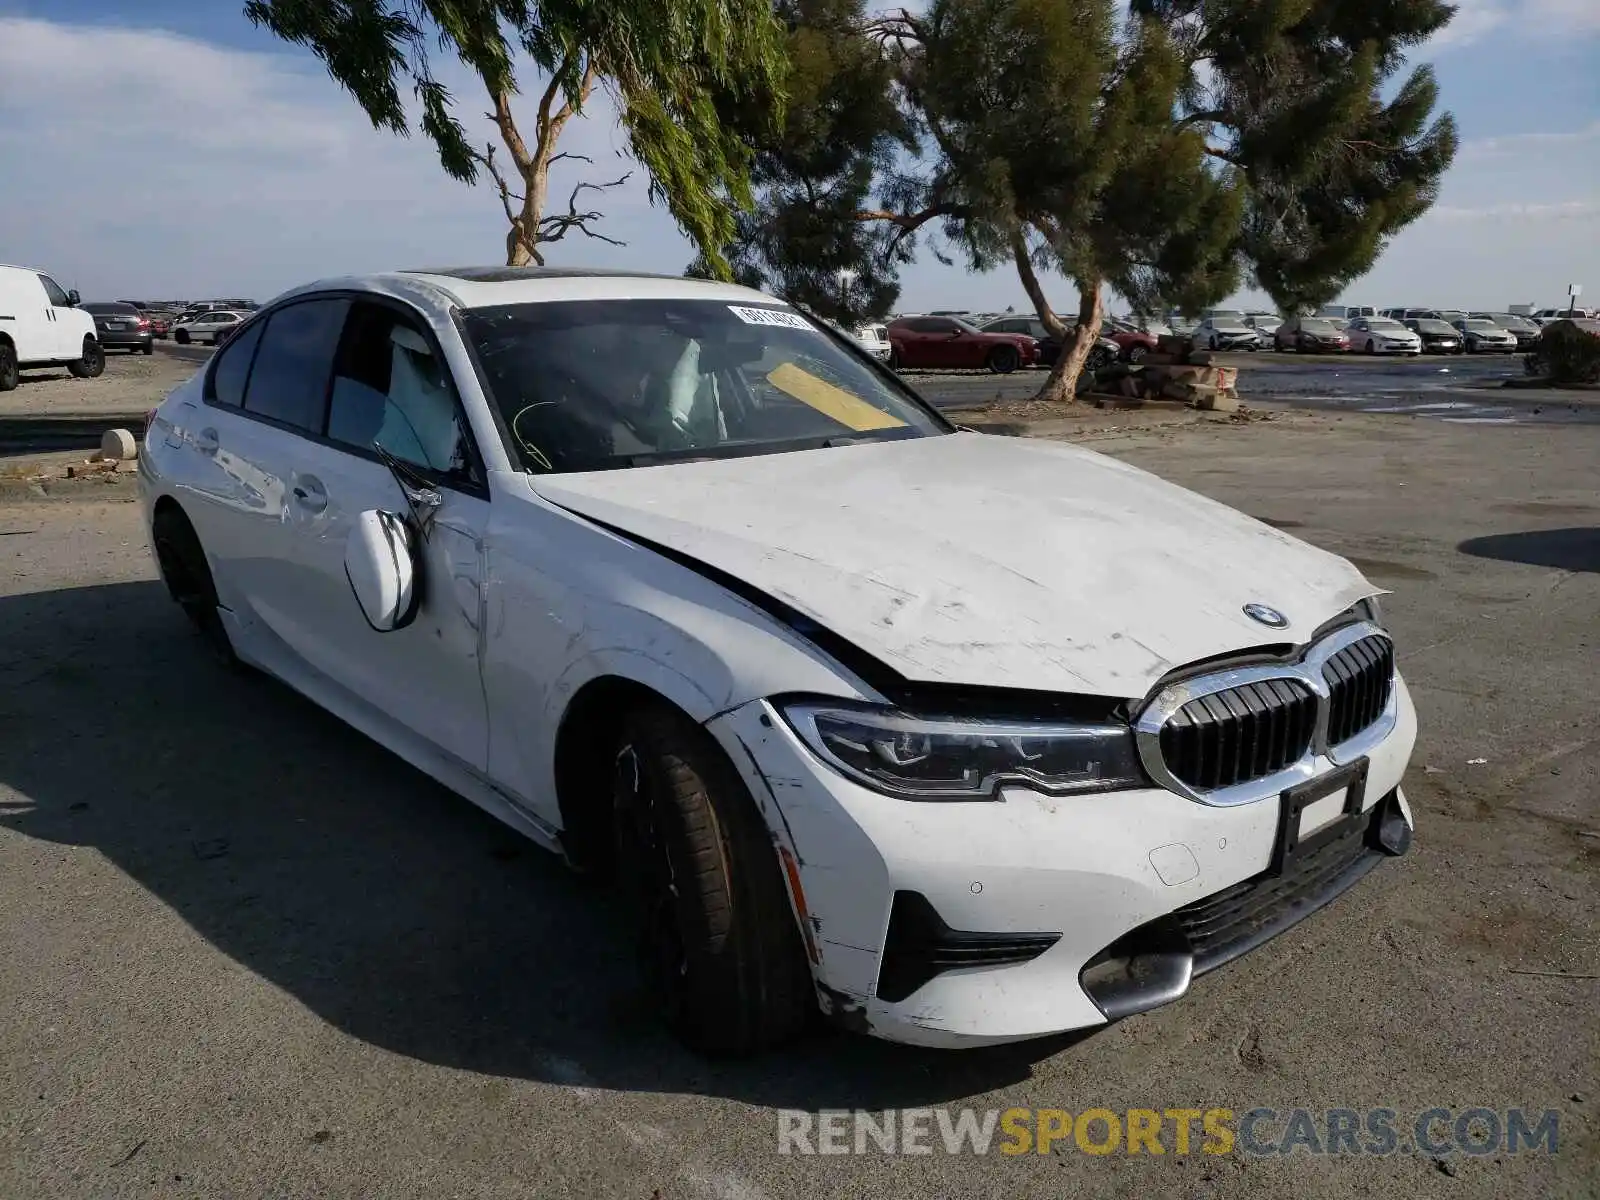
{"x":1213,"y":344}
{"x":181,"y":337}
{"x":894,"y":360}
{"x":10,"y":371}
{"x":93,"y":362}
{"x":1004,"y":359}
{"x":1136,"y":353}
{"x":1372,"y":347}
{"x":148,"y":348}
{"x":188,"y":578}
{"x":719,"y":945}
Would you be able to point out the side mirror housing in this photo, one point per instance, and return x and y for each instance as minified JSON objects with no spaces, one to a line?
{"x":380,"y":561}
{"x":73,"y":298}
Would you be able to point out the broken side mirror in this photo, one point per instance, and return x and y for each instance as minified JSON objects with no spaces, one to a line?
{"x":380,"y":561}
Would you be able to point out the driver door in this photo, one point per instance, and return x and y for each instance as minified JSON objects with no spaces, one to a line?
{"x":65,"y":338}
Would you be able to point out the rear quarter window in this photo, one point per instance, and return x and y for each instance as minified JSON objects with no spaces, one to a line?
{"x":232,"y":368}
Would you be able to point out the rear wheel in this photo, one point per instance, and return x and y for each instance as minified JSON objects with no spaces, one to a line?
{"x":719,"y":946}
{"x":1004,"y":359}
{"x":1136,"y":353}
{"x":1371,"y":348}
{"x":10,"y":372}
{"x":181,"y":337}
{"x":148,"y":348}
{"x":92,"y":363}
{"x":894,"y":360}
{"x":188,"y":579}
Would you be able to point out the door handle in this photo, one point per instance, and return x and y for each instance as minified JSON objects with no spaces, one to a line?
{"x":206,"y":441}
{"x":309,"y":493}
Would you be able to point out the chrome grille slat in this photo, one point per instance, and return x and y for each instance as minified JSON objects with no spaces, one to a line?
{"x":1222,"y":738}
{"x":1211,"y":737}
{"x":1359,"y":678}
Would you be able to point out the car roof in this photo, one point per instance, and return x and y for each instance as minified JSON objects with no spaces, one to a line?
{"x":480,"y":287}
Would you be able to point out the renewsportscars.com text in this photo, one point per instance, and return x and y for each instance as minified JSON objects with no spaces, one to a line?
{"x":1181,"y":1131}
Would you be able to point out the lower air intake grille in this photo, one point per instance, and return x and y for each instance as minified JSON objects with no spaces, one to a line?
{"x":919,"y":945}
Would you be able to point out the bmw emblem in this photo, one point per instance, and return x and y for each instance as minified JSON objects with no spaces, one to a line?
{"x":1267,"y":616}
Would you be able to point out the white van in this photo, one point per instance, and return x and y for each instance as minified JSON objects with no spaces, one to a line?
{"x":42,"y":326}
{"x":1346,"y":312}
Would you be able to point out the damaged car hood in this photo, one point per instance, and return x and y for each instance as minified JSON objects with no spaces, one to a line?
{"x":983,"y":560}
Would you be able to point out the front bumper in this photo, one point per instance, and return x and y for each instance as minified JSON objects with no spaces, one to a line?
{"x":1095,"y":869}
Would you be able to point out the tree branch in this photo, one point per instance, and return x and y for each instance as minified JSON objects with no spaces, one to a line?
{"x":506,"y":194}
{"x":1195,"y":118}
{"x":555,"y":228}
{"x":904,"y":26}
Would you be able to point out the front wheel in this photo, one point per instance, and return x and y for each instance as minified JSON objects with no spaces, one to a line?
{"x":147,"y":348}
{"x":181,"y":337}
{"x":10,"y":369}
{"x":92,"y":363}
{"x":1371,"y":348}
{"x":719,"y":946}
{"x":1136,"y":354}
{"x":894,"y":361}
{"x":1213,"y":341}
{"x":1004,"y":359}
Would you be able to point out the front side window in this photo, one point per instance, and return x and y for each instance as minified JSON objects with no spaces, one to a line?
{"x":391,"y":391}
{"x":53,"y":292}
{"x":604,"y":384}
{"x":289,"y":381}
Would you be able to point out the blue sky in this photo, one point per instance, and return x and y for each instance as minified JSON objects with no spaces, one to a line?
{"x":167,"y":148}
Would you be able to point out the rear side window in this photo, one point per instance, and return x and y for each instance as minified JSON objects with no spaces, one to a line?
{"x":233,"y":366}
{"x":289,"y":381}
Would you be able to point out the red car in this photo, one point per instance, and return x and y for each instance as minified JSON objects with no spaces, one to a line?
{"x":1133,"y":343}
{"x":917,"y":342}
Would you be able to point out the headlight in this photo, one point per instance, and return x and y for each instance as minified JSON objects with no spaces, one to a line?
{"x":962,"y":758}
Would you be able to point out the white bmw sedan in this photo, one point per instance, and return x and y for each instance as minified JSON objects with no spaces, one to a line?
{"x":961,"y":739}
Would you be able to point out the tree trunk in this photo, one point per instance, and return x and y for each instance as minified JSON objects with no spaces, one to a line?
{"x":1062,"y":382}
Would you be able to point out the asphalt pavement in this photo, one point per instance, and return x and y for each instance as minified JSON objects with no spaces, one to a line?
{"x":248,"y":953}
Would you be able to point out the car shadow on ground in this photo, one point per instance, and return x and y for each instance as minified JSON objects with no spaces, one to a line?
{"x":390,"y":907}
{"x":1563,"y":549}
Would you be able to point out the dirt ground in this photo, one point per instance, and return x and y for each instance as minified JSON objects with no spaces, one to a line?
{"x":248,"y":953}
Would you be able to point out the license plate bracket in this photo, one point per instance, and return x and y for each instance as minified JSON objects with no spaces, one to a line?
{"x":1290,"y":845}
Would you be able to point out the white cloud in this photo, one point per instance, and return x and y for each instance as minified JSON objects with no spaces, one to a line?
{"x":1540,"y":19}
{"x":1562,"y":141}
{"x":1473,"y":19}
{"x":148,"y":162}
{"x":1566,"y":210}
